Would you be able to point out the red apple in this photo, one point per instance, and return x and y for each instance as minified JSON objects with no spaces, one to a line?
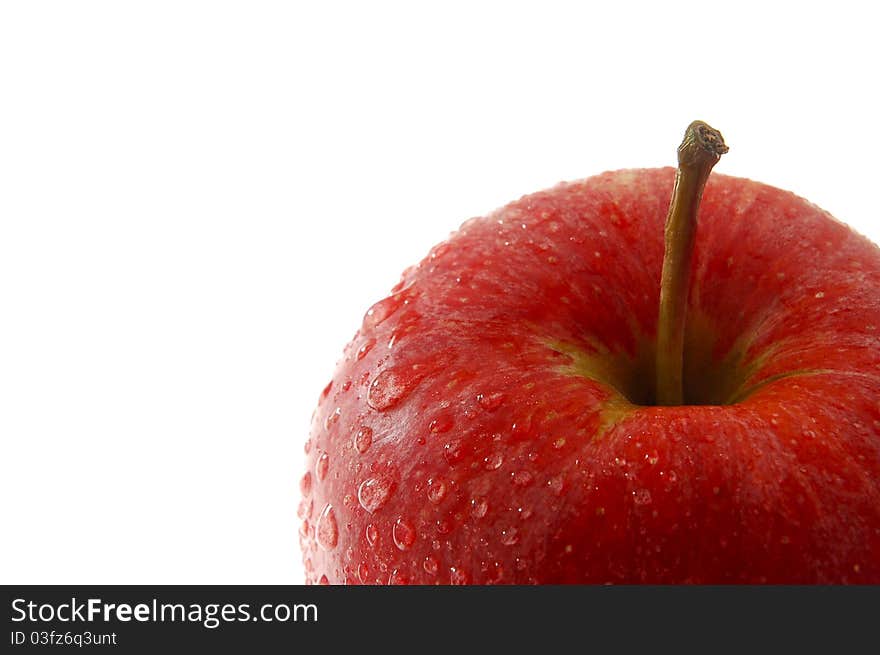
{"x":495,"y":419}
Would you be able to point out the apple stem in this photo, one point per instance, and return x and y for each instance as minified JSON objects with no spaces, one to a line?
{"x":700,"y":150}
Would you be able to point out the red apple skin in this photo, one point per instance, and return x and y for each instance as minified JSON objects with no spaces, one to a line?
{"x":456,"y":445}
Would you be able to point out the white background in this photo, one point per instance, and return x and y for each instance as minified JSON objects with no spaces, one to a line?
{"x":198,"y":201}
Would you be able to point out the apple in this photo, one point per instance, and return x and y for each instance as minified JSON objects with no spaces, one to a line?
{"x":560,"y":394}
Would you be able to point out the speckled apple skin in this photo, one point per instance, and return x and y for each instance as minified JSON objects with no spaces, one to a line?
{"x":459,"y":443}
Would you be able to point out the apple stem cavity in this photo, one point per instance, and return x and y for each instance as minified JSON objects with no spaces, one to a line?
{"x":700,"y":150}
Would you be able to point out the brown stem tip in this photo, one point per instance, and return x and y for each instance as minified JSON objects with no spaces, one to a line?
{"x":702,"y":144}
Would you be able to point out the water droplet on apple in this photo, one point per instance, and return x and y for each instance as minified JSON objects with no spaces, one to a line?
{"x":305,"y":484}
{"x":491,"y":401}
{"x":366,"y":347}
{"x":493,"y":461}
{"x":642,"y":497}
{"x":363,"y":572}
{"x":556,"y":484}
{"x":389,"y":388}
{"x":458,"y":577}
{"x":322,"y":466}
{"x":374,"y":492}
{"x":493,"y":572}
{"x":653,"y":457}
{"x":510,"y":536}
{"x":452,"y":451}
{"x":305,"y":508}
{"x":436,"y":490}
{"x":441,"y":249}
{"x":363,"y":439}
{"x":403,"y":533}
{"x":430,"y":565}
{"x":372,"y":535}
{"x":398,"y":577}
{"x":332,"y":419}
{"x":379,"y":312}
{"x":521,"y":478}
{"x":479,"y":507}
{"x":442,"y":423}
{"x":520,"y":429}
{"x":326,"y":530}
{"x":323,"y":580}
